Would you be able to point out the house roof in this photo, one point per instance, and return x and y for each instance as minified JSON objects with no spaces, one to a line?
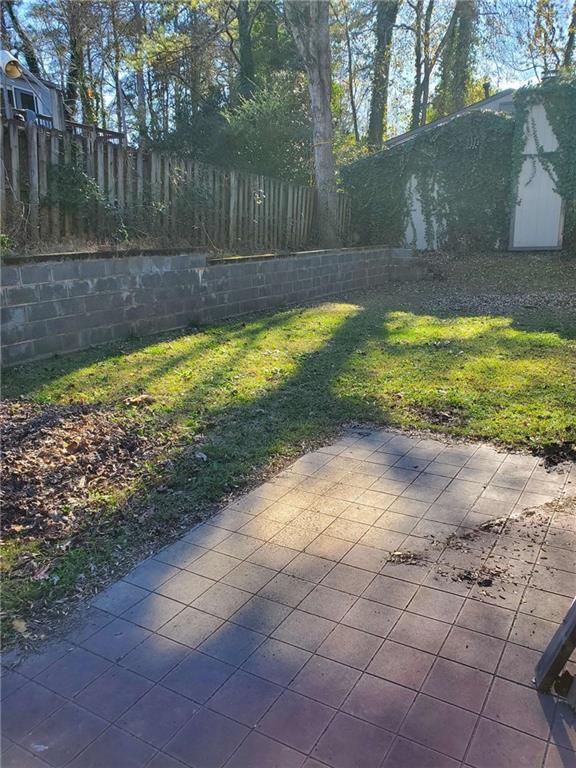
{"x":483,"y":104}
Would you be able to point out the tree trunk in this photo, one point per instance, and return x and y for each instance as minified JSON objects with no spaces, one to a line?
{"x":351,"y":80}
{"x":386,"y":14}
{"x":76,"y":88}
{"x":120,"y":118}
{"x":139,"y":75}
{"x":27,"y":47}
{"x":427,"y":62}
{"x":417,"y":91}
{"x":309,"y":23}
{"x":570,"y":40}
{"x":246,"y":75}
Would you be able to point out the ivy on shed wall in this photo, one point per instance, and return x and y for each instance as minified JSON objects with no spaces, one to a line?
{"x":558,"y":96}
{"x":463,"y":172}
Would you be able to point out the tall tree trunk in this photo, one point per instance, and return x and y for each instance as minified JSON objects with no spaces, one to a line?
{"x":386,"y":13}
{"x":120,"y":117}
{"x":458,"y":46}
{"x":309,"y":23}
{"x":417,"y":90}
{"x":428,"y":64}
{"x":351,"y":79}
{"x":27,"y":47}
{"x":139,"y":74}
{"x":568,"y":57}
{"x":247,"y":72}
{"x":5,"y":42}
{"x":463,"y":63}
{"x":76,"y":86}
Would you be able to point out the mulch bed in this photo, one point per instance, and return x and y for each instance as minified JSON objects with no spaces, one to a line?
{"x":58,"y":461}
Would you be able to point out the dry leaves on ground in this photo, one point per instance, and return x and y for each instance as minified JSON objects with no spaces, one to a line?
{"x":57,"y":460}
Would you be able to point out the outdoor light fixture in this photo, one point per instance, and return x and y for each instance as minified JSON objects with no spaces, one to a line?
{"x":11,"y":67}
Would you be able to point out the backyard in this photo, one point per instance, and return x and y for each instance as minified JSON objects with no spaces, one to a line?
{"x":146,"y":436}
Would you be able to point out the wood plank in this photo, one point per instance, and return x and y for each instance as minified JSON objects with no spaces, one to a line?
{"x":14,"y":148}
{"x":3,"y":178}
{"x":233,"y":211}
{"x":111,"y":174}
{"x":101,"y":182}
{"x":43,"y":161}
{"x":54,"y":206}
{"x":33,"y":181}
{"x":120,"y":177}
{"x":139,"y":191}
{"x":166,"y":193}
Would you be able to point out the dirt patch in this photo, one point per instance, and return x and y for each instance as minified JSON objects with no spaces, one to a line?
{"x":453,"y":415}
{"x":61,"y":461}
{"x":558,"y":453}
{"x":406,"y":558}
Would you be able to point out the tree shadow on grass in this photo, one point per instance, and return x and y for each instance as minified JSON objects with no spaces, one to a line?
{"x":363,"y":366}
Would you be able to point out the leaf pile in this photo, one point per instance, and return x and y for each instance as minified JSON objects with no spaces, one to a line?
{"x":58,"y":461}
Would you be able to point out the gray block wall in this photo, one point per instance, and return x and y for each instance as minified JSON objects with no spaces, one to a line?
{"x":60,"y":306}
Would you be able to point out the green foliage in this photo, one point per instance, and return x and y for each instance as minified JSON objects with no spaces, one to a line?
{"x":70,"y":187}
{"x":457,"y":59}
{"x":272,"y":133}
{"x":462,"y":171}
{"x":558,"y":95}
{"x":5,"y":244}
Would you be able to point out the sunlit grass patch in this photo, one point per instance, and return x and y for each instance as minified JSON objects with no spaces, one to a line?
{"x":232,"y":402}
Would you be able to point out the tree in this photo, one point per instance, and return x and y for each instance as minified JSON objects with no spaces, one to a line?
{"x":27,"y":46}
{"x":457,"y":59}
{"x":567,"y":59}
{"x":386,"y":13}
{"x":246,"y":59}
{"x":309,"y":23}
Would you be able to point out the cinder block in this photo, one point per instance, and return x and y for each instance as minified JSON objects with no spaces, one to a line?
{"x":18,"y":295}
{"x":9,"y":275}
{"x":16,"y":354}
{"x":92,"y":268}
{"x":12,"y":316}
{"x":102,"y":301}
{"x":66,"y":270}
{"x":78,"y":287}
{"x":62,"y":325}
{"x":42,"y":310}
{"x":31,"y":274}
{"x":104,"y":284}
{"x":51,"y":291}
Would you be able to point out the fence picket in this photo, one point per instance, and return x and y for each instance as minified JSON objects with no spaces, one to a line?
{"x":225,"y":209}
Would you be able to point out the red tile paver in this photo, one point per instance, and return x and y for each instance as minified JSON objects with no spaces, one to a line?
{"x":352,"y":743}
{"x":440,"y":726}
{"x":296,"y":721}
{"x":281,"y":635}
{"x":497,"y":746}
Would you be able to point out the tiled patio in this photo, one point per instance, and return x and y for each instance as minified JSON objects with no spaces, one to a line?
{"x":290,"y":632}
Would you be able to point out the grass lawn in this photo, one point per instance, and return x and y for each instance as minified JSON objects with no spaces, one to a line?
{"x":485,"y":350}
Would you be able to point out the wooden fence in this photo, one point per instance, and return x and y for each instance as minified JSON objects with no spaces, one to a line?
{"x":60,"y":187}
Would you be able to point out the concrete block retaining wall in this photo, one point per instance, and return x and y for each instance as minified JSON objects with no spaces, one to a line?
{"x":68,"y":304}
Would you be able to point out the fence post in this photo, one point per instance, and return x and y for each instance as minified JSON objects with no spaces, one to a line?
{"x":2,"y":181}
{"x":43,"y":183}
{"x":14,"y":142}
{"x":233,"y":210}
{"x":54,"y":207}
{"x":33,"y":185}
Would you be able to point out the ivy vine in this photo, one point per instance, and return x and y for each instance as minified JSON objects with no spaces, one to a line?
{"x":462,"y":172}
{"x":466,"y":174}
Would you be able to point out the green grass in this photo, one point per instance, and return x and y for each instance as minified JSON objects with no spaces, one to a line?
{"x":250,"y":394}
